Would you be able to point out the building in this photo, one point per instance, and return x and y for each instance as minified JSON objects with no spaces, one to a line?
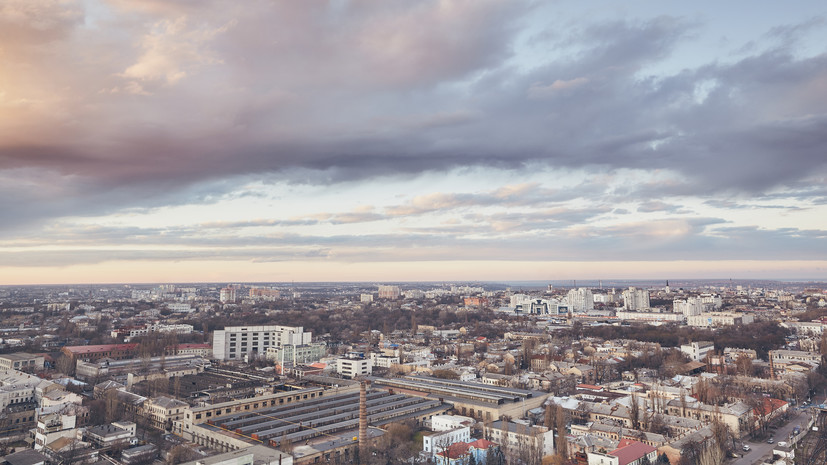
{"x":635,"y":299}
{"x":238,"y":342}
{"x":251,"y":455}
{"x":389,"y":292}
{"x":297,"y":354}
{"x":139,"y":455}
{"x":138,"y":369}
{"x":449,"y":422}
{"x":366,"y":298}
{"x":118,"y":434}
{"x":476,"y":400}
{"x":21,"y":361}
{"x":513,"y":437}
{"x":53,"y":426}
{"x":698,"y":351}
{"x":136,"y":331}
{"x":690,"y":306}
{"x":352,"y":367}
{"x":649,"y":316}
{"x":163,"y":411}
{"x":203,"y":350}
{"x":720,"y":319}
{"x":263,"y":293}
{"x":784,"y":361}
{"x":580,"y":300}
{"x":738,"y":416}
{"x":383,"y":361}
{"x":95,"y":352}
{"x":321,"y":424}
{"x":439,"y":441}
{"x":227,"y":294}
{"x":628,"y":452}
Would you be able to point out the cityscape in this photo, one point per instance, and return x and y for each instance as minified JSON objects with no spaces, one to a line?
{"x":441,"y":232}
{"x":679,"y":372}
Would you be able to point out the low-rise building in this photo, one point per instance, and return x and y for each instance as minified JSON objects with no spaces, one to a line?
{"x":114,"y":435}
{"x":705,"y":320}
{"x":698,"y":351}
{"x":163,"y":411}
{"x":22,"y":361}
{"x":628,"y":452}
{"x":439,"y":441}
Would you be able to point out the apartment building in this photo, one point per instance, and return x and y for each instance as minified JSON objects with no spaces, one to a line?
{"x":237,"y":342}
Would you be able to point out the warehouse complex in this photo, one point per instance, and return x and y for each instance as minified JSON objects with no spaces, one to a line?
{"x":323,"y":422}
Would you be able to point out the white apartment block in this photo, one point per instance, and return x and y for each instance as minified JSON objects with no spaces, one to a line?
{"x":698,"y":351}
{"x":366,"y":298}
{"x":580,"y":300}
{"x":690,"y":306}
{"x":236,"y":342}
{"x":712,"y":300}
{"x":383,"y":361}
{"x":352,"y":367}
{"x":635,"y":299}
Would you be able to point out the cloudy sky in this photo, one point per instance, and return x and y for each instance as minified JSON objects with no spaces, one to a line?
{"x":214,"y":140}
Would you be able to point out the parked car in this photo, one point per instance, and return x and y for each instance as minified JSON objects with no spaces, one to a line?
{"x":782,"y":444}
{"x":746,"y":448}
{"x":770,"y":441}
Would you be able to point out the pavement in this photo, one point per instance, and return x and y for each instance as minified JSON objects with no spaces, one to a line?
{"x":760,"y":449}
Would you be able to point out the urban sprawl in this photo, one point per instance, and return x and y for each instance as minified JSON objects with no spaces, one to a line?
{"x":622,"y":373}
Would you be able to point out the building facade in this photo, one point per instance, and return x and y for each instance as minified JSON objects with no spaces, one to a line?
{"x":236,"y":342}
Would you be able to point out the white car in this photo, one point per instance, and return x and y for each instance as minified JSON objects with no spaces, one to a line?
{"x":782,"y":444}
{"x":746,"y":448}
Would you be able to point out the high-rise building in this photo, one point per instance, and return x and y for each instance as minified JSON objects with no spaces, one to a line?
{"x":389,"y":292}
{"x":690,"y":306}
{"x":580,"y":300}
{"x":235,"y":342}
{"x":635,"y":299}
{"x":227,"y":294}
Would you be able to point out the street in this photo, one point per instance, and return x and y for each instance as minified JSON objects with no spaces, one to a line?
{"x":758,"y":450}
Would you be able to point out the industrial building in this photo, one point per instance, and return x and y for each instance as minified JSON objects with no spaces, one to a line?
{"x":325,"y":420}
{"x":481,"y":401}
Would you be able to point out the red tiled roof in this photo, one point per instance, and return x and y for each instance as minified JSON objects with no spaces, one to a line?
{"x":769,"y":405}
{"x":590,"y":386}
{"x":481,"y":444}
{"x":628,"y":451}
{"x":455,"y":450}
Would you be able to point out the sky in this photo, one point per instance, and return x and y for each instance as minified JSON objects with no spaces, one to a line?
{"x":474,"y":140}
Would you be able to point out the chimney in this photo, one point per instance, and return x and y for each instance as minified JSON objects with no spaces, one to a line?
{"x":363,"y":420}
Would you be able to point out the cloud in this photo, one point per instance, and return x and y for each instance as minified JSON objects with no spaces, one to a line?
{"x":131,"y":106}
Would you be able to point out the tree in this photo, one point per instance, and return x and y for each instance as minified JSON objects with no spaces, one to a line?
{"x":744,"y":366}
{"x":560,"y":427}
{"x":634,"y":411}
{"x":65,"y":364}
{"x":691,"y":453}
{"x":711,"y":455}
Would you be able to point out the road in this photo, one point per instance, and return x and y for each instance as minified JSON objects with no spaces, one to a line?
{"x":760,"y":450}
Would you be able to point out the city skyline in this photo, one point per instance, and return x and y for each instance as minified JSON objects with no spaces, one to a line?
{"x":179,"y":141}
